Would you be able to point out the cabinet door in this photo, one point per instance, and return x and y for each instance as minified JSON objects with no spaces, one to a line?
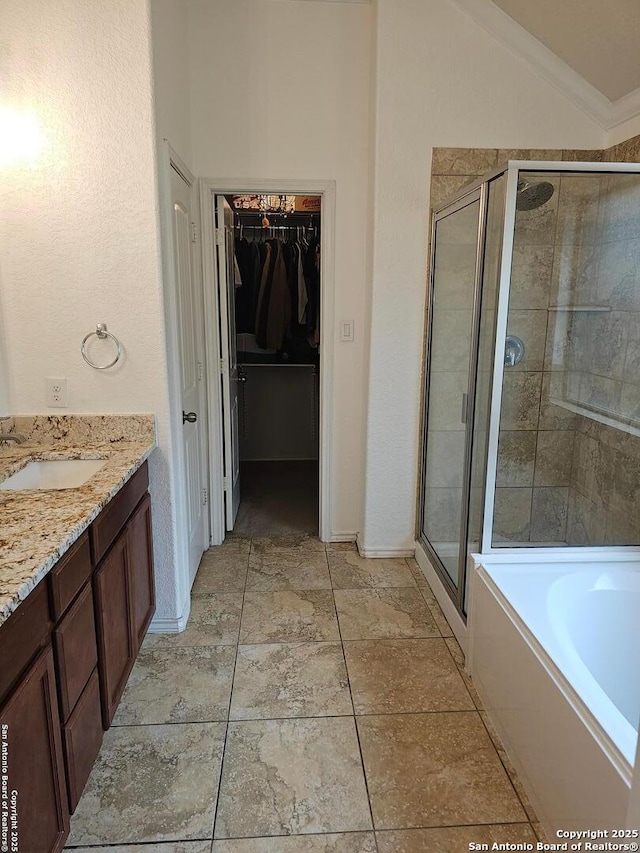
{"x":75,"y":646}
{"x":82,"y":739}
{"x":32,"y":750}
{"x":141,"y":560}
{"x":113,"y":597}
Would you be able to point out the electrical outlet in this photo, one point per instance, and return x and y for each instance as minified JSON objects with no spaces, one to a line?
{"x":56,"y":393}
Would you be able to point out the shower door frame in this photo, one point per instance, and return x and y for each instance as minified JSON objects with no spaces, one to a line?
{"x":512,"y":170}
{"x":480,"y":188}
{"x":478,"y":192}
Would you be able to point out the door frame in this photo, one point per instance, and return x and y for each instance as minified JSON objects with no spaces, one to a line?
{"x":169,"y":159}
{"x":209,"y":188}
{"x":472,"y":195}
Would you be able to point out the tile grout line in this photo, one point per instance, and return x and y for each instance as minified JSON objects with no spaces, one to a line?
{"x":373,"y":831}
{"x":458,"y":668}
{"x":150,"y":844}
{"x":506,"y":770}
{"x":435,"y":614}
{"x":473,"y":710}
{"x":355,"y":722}
{"x":478,"y":710}
{"x":233,"y":676}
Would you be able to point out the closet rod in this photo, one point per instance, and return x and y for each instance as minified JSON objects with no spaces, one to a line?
{"x":261,"y":213}
{"x":274,"y":227}
{"x":294,"y":218}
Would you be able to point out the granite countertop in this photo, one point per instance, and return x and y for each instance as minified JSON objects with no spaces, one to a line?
{"x":37,"y":526}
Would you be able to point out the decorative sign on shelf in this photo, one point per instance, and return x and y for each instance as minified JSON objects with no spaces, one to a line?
{"x":265,"y":203}
{"x":278,"y":203}
{"x":308,"y":203}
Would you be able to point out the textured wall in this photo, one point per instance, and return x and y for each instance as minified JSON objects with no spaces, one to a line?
{"x":280,"y":89}
{"x":171,"y":81}
{"x":80,"y":232}
{"x":441,"y":81}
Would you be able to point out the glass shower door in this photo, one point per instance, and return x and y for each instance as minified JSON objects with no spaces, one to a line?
{"x":450,"y":371}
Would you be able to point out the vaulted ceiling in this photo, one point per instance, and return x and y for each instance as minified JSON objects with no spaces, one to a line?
{"x":599,"y":39}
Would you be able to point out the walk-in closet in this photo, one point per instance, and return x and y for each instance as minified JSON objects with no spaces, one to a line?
{"x":276,"y":257}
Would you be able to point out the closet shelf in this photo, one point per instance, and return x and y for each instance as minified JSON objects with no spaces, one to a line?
{"x":577,"y":308}
{"x":274,"y":364}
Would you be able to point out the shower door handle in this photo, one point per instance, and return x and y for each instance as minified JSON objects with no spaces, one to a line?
{"x":465,"y":408}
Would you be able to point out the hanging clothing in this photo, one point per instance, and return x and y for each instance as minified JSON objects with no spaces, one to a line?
{"x":250,"y":266}
{"x":278,"y":314}
{"x":312,"y":278}
{"x":264,"y":294}
{"x":301,"y":285}
{"x":278,"y":300}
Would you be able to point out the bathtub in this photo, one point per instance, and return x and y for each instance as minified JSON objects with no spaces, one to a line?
{"x":553,"y":650}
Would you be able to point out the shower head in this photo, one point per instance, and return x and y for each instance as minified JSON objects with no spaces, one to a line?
{"x":530,"y":196}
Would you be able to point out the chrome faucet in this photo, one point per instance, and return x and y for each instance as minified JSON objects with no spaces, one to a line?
{"x":12,"y":436}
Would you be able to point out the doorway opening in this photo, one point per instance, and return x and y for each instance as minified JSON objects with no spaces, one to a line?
{"x":268,"y":250}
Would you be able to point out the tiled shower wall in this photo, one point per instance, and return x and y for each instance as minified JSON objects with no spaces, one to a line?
{"x":604,"y":506}
{"x":555,"y":469}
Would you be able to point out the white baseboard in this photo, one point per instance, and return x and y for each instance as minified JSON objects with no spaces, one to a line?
{"x":162,"y":625}
{"x":381,"y":553}
{"x":455,"y":620}
{"x":343,"y":537}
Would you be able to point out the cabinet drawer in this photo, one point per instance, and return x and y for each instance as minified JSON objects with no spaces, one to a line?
{"x":82,"y":737}
{"x":23,"y":634}
{"x":69,"y":575}
{"x":76,"y":651}
{"x":114,"y":516}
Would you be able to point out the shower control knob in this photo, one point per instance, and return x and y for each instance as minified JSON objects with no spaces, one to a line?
{"x":189,"y":417}
{"x":513,"y":351}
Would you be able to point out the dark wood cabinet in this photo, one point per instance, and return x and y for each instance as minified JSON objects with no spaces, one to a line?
{"x":82,"y":739}
{"x":22,"y":636}
{"x":114,"y":606}
{"x":141,"y":557}
{"x":65,"y":657}
{"x":117,"y":512}
{"x":76,"y":652}
{"x":69,"y":575}
{"x":30,"y":723}
{"x":124,"y":589}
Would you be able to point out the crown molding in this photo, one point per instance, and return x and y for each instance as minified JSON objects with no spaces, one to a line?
{"x":625,"y":108}
{"x":518,"y":41}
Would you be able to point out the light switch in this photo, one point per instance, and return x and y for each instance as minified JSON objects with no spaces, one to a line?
{"x":346,"y":330}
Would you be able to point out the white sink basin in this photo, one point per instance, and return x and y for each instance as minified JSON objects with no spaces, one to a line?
{"x":53,"y":474}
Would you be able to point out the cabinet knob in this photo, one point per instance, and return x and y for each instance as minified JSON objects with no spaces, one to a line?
{"x":189,"y":417}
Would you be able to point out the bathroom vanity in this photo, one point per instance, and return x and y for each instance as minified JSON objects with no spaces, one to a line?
{"x":68,"y":646}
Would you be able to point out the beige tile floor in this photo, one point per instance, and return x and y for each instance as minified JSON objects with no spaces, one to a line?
{"x":316,"y":703}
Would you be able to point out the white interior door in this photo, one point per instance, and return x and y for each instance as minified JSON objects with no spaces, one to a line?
{"x":191,"y":341}
{"x":228,"y":359}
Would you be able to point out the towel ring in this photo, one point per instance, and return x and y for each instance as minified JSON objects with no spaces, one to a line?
{"x":102,"y":333}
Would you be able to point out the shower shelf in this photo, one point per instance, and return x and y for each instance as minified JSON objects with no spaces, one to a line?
{"x":592,"y":308}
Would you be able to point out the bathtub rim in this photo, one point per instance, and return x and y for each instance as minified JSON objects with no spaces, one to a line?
{"x":604,"y":741}
{"x":580,"y":581}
